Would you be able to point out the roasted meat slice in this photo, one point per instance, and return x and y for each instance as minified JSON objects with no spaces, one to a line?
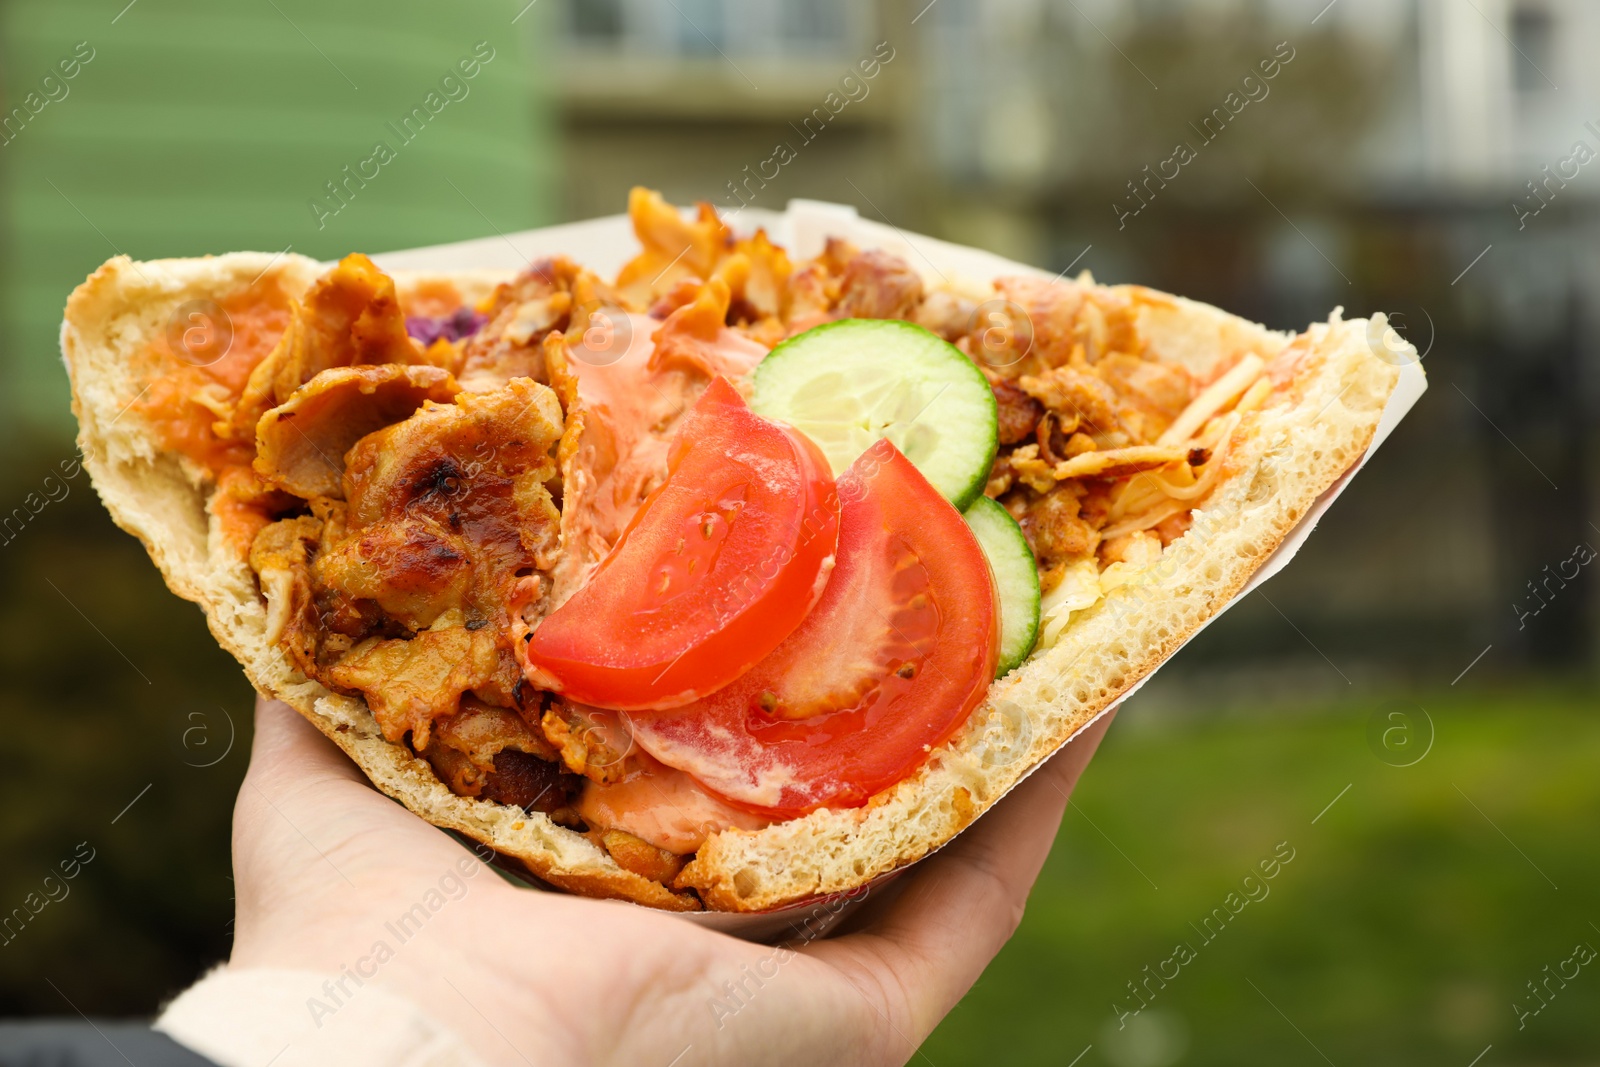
{"x":1019,"y":413}
{"x":448,"y":513}
{"x":757,"y":274}
{"x":446,"y":507}
{"x":1067,"y":320}
{"x":694,"y":338}
{"x":531,"y":783}
{"x":301,"y":444}
{"x":1159,"y":391}
{"x":948,"y":315}
{"x":879,"y":285}
{"x":813,"y":291}
{"x":410,"y":682}
{"x":593,"y":742}
{"x":1054,"y":528}
{"x":350,"y":317}
{"x":281,"y":557}
{"x":1051,"y":311}
{"x":411,"y":569}
{"x":551,"y":295}
{"x":1083,"y":398}
{"x":674,"y":247}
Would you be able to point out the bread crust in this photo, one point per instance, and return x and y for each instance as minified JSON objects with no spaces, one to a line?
{"x":1288,"y":458}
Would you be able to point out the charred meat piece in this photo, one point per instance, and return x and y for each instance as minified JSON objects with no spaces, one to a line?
{"x":1019,"y":413}
{"x":446,"y":507}
{"x":492,"y":752}
{"x":447,"y":513}
{"x":531,"y":783}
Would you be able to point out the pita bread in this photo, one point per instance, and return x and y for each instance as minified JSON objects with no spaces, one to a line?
{"x":1285,"y":458}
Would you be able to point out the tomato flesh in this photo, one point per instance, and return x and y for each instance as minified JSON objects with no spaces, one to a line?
{"x":720,"y":563}
{"x":892,"y":660}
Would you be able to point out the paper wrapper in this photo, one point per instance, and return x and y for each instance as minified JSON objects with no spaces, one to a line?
{"x":604,"y":245}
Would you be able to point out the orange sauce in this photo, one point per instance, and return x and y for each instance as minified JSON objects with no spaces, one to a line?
{"x":260,"y":314}
{"x":239,"y":516}
{"x":185,"y":425}
{"x":257,"y":315}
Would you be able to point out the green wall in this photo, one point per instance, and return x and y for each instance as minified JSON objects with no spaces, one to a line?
{"x":210,"y":125}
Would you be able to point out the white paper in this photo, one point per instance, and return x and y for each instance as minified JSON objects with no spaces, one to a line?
{"x":604,"y":245}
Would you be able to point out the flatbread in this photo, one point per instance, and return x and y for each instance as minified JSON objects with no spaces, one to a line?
{"x":1285,"y":458}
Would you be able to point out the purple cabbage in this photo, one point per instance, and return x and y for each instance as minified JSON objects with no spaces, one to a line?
{"x":463,"y":322}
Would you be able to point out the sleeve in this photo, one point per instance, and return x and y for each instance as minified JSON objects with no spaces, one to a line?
{"x":256,"y":1017}
{"x":91,"y":1043}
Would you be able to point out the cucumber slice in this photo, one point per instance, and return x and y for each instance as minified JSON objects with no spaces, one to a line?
{"x":847,"y":384}
{"x":1015,"y":575}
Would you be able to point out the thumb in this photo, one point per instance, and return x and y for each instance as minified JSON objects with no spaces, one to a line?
{"x":288,"y":750}
{"x":304,"y":805}
{"x":301,"y":804}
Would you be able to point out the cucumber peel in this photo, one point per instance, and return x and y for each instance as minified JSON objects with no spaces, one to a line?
{"x":1016,"y":577}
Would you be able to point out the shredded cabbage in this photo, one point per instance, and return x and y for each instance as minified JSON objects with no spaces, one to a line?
{"x":1079,"y":589}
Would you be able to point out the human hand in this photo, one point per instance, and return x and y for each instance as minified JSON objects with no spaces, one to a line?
{"x":324,"y":864}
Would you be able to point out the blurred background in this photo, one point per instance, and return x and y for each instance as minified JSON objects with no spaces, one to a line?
{"x":1406,"y":711}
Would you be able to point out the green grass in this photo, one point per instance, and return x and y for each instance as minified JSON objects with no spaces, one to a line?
{"x":1401,"y":933}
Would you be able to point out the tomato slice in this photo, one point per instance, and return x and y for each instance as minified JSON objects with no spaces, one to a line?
{"x":890,"y":663}
{"x":719,"y":564}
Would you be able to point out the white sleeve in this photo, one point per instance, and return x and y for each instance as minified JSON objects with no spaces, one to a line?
{"x":259,"y":1016}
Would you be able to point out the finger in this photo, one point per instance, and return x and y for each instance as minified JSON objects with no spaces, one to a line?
{"x":935,"y":938}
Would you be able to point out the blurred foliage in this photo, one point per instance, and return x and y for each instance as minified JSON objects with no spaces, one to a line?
{"x":1402,"y":931}
{"x":110,"y":684}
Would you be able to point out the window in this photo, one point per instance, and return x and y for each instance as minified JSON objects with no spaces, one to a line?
{"x":813,"y":25}
{"x":597,"y":21}
{"x":702,"y":27}
{"x":1533,"y":38}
